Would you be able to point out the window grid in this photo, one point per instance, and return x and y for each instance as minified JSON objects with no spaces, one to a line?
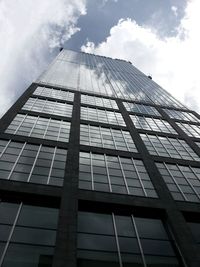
{"x":116,"y":239}
{"x":29,"y":229}
{"x":103,"y":116}
{"x":114,"y":174}
{"x":11,"y":233}
{"x":139,"y":177}
{"x":123,"y":240}
{"x":106,"y":137}
{"x":128,"y":141}
{"x":91,"y":169}
{"x":107,"y":173}
{"x":139,"y":240}
{"x":181,"y":115}
{"x":54,"y":93}
{"x":32,"y":163}
{"x":139,"y":108}
{"x":98,"y":101}
{"x":46,"y":128}
{"x":105,"y":78}
{"x":183,"y":181}
{"x":123,"y":175}
{"x":189,"y":129}
{"x":152,"y":124}
{"x":168,"y":147}
{"x":49,"y":107}
{"x":17,"y":159}
{"x":52,"y":164}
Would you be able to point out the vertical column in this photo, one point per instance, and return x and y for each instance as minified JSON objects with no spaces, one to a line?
{"x":175,"y":218}
{"x":65,"y":251}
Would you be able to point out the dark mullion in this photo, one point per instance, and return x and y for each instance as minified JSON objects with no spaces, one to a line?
{"x":33,"y":140}
{"x":150,"y":132}
{"x":181,"y":133}
{"x":101,"y":198}
{"x":38,"y":84}
{"x":145,"y":115}
{"x":98,"y":107}
{"x":10,"y":188}
{"x":12,"y":112}
{"x":195,"y":114}
{"x":109,"y":151}
{"x":52,"y":99}
{"x":169,"y":160}
{"x":44,"y":115}
{"x":147,"y":158}
{"x":65,"y":251}
{"x":195,"y":139}
{"x":184,"y":121}
{"x":175,"y":218}
{"x":188,"y":207}
{"x":104,"y":124}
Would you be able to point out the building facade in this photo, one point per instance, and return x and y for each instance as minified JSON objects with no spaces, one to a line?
{"x":99,"y":166}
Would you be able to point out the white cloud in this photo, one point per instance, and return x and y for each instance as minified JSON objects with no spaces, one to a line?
{"x":30,"y":32}
{"x":172,"y":61}
{"x":174,"y":10}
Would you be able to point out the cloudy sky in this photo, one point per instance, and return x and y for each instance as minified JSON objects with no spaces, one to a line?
{"x":160,"y":37}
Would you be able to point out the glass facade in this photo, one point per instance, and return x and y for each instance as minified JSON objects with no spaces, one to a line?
{"x":142,"y":109}
{"x":40,"y":127}
{"x":98,"y":101}
{"x":27,"y":235}
{"x":116,"y":240}
{"x":95,"y":74}
{"x":190,"y":129}
{"x":48,"y":106}
{"x":114,"y":174}
{"x":181,"y":115}
{"x":98,"y":132}
{"x":54,"y":93}
{"x":32,"y":163}
{"x":99,"y":115}
{"x":106,"y":137}
{"x":168,"y":147}
{"x":152,"y":124}
{"x":182,"y":181}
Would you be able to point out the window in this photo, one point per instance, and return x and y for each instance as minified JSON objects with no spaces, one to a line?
{"x":29,"y":233}
{"x":39,"y":127}
{"x":99,"y":115}
{"x":107,"y":239}
{"x":168,"y":147}
{"x":32,"y":163}
{"x":182,"y":181}
{"x":181,"y":115}
{"x":106,"y":137}
{"x":98,"y":101}
{"x":139,"y":108}
{"x":49,"y":107}
{"x":152,"y":124}
{"x":106,"y":76}
{"x":195,"y":229}
{"x":54,"y":93}
{"x":189,"y":129}
{"x":114,"y":174}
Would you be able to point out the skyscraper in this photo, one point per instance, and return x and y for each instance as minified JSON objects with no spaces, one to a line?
{"x":99,"y":166}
